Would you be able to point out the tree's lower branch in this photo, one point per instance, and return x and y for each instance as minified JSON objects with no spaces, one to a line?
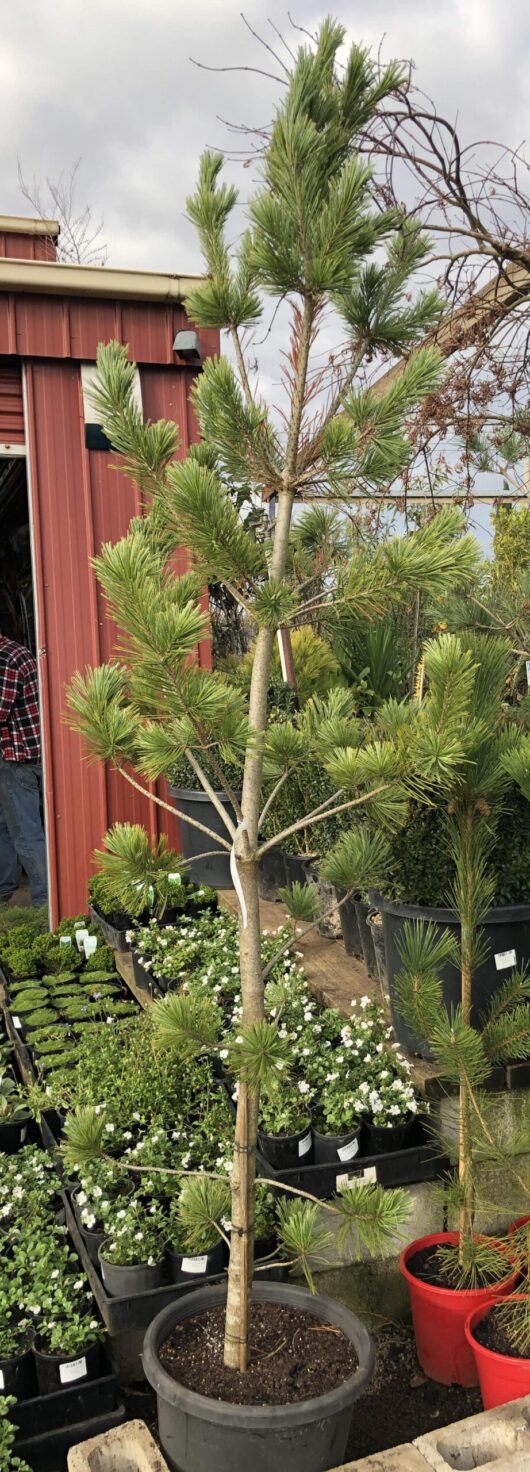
{"x":175,"y":813}
{"x":343,"y":807}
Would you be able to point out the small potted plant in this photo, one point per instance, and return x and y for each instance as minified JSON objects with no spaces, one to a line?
{"x":131,"y":1257}
{"x":8,"y":1457}
{"x":67,"y":1350}
{"x":14,"y":1115}
{"x":198,"y":1222}
{"x":337,"y":1122}
{"x":285,"y":1136}
{"x":17,"y":1365}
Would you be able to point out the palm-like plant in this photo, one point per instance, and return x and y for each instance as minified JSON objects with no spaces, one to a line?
{"x":311,"y":233}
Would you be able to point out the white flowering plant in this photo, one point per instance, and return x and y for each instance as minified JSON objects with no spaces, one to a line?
{"x":284,"y":1109}
{"x":69,"y":1336}
{"x":9,"y":1462}
{"x":135,"y":1235}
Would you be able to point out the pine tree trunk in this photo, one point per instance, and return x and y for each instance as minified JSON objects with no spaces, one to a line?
{"x":467,"y":932}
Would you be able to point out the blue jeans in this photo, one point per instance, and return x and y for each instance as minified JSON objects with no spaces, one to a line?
{"x":21,"y":831}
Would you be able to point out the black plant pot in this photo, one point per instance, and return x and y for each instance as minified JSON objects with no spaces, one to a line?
{"x":126,"y":1282}
{"x":381,"y":1139}
{"x":284,"y":1151}
{"x":272,"y":873}
{"x":365,"y":934}
{"x":57,"y":1371}
{"x":505,"y":932}
{"x":350,"y":926}
{"x":216,"y":869}
{"x":275,"y":1272}
{"x":336,"y":1149}
{"x":183,"y":1267}
{"x":198,"y":1434}
{"x":17,"y":1375}
{"x":378,"y":941}
{"x":13,"y":1135}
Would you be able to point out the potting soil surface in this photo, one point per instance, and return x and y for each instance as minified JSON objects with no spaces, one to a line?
{"x":293,"y":1357}
{"x":426,"y":1265}
{"x":492,"y":1334}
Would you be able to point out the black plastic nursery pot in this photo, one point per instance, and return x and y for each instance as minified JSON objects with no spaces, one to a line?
{"x":13,"y":1135}
{"x":17,"y":1374}
{"x":56,"y":1371}
{"x":287,"y":1150}
{"x":505,"y":931}
{"x":214,"y":870}
{"x":349,"y":926}
{"x":378,"y":941}
{"x":125,"y":1282}
{"x":198,"y":1434}
{"x":114,"y":935}
{"x":365,"y":936}
{"x":186,"y":1266}
{"x":337,"y":1149}
{"x":382,"y":1139}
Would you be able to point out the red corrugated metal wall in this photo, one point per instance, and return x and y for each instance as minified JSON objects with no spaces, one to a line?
{"x":78,"y":501}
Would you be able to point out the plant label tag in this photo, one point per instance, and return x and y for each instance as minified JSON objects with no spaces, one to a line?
{"x":177,"y":878}
{"x":527,"y":662}
{"x":90,"y":944}
{"x":370,"y":1174}
{"x":80,"y":937}
{"x":347,"y":1152}
{"x":74,"y":1370}
{"x":503,"y":959}
{"x":304,"y":1144}
{"x":65,"y":940}
{"x":17,"y":1022}
{"x":360,"y":1177}
{"x":195,"y":1264}
{"x":23,"y":1134}
{"x":2,"y":1381}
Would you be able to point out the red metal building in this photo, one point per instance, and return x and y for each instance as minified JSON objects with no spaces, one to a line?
{"x":52,"y":317}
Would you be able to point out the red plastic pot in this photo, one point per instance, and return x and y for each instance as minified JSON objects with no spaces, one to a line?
{"x":501,"y":1376}
{"x":439,"y":1317}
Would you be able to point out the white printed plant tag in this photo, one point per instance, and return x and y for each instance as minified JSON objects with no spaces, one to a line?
{"x":304,"y":1144}
{"x":175,"y":878}
{"x":80,"y":937}
{"x":74,"y":1370}
{"x":195,"y":1264}
{"x":370,"y":1174}
{"x":347,"y":1152}
{"x":65,"y":940}
{"x":17,"y":1022}
{"x":90,"y":945}
{"x":528,"y":672}
{"x":2,"y":1381}
{"x":23,"y":1134}
{"x":503,"y":959}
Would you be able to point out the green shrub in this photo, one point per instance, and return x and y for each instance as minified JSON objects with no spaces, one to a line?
{"x":102,"y":960}
{"x":28,"y":1004}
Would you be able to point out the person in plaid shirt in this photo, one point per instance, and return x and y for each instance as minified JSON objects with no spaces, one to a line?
{"x":21,"y":832}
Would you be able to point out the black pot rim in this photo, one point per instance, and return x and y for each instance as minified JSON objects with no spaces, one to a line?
{"x":192,"y":794}
{"x":127,"y":1267}
{"x":255,"y":1418}
{"x":348,"y":1136}
{"x":499,"y":915}
{"x":64,"y":1359}
{"x":286,"y":1139}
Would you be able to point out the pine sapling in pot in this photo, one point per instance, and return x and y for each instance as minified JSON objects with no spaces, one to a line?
{"x":466,"y":682}
{"x":199,"y":1220}
{"x":312,"y":229}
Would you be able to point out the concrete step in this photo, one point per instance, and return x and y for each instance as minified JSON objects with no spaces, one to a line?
{"x":494,"y":1441}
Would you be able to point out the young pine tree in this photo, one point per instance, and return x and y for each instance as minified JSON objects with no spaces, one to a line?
{"x":315,"y":240}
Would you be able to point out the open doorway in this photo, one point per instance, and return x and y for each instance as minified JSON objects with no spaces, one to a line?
{"x":17,"y":614}
{"x":17,"y":603}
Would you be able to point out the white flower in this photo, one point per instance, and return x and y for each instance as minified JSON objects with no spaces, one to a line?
{"x":304,"y":1088}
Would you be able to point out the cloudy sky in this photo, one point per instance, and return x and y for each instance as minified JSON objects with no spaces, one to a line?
{"x":111,"y":81}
